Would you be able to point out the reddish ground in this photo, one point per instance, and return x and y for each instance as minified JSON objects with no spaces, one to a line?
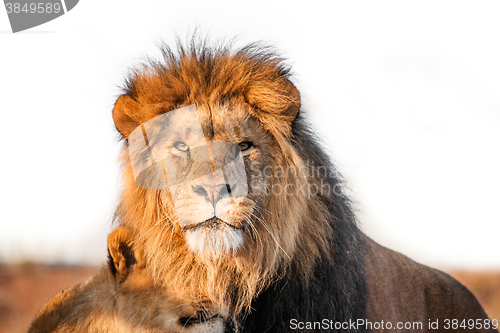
{"x":25,"y":288}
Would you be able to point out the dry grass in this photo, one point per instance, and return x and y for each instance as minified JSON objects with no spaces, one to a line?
{"x":24,"y":288}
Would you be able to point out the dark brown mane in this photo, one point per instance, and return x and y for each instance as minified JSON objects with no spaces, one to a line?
{"x":337,"y":287}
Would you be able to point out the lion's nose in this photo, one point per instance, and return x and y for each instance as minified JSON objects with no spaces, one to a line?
{"x":212,"y":193}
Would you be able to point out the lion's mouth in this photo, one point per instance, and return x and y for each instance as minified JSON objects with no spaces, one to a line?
{"x":213,"y":223}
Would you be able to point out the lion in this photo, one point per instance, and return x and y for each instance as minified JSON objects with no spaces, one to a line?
{"x":122,"y":297}
{"x":233,"y":199}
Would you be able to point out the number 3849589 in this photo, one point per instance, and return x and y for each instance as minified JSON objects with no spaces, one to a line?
{"x":33,"y":7}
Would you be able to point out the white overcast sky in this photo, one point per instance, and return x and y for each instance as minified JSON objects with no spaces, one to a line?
{"x":406,"y":96}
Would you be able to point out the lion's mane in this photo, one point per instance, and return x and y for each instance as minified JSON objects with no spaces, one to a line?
{"x":308,"y":264}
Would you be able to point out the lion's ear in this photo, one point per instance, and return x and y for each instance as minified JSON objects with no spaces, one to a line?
{"x":123,"y":114}
{"x":121,"y":254}
{"x":293,"y":109}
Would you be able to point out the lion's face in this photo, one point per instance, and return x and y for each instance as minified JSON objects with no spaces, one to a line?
{"x":209,"y":164}
{"x":123,"y":297}
{"x":141,"y":305}
{"x":211,"y":182}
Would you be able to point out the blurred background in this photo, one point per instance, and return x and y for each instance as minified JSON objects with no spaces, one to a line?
{"x":406,"y":96}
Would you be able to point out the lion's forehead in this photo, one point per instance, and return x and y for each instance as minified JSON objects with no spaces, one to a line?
{"x":225,"y":122}
{"x":222,"y":122}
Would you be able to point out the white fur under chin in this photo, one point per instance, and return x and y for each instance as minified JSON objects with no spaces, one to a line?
{"x":214,"y":242}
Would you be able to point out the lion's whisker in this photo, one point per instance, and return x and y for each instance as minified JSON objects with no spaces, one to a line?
{"x":160,"y":234}
{"x":184,"y":326}
{"x":270,"y":233}
{"x":170,"y":239}
{"x":255,"y":232}
{"x":178,"y":315}
{"x":260,"y":207}
{"x":252,"y":225}
{"x":162,"y":219}
{"x":142,"y":319}
{"x":177,"y":306}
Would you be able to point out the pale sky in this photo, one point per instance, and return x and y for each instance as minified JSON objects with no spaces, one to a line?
{"x":406,"y":97}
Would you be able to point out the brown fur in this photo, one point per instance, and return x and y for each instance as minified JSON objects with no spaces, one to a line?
{"x":303,"y":254}
{"x":121,"y":298}
{"x":402,"y":290}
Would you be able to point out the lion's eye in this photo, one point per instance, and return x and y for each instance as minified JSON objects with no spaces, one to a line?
{"x":245,"y":145}
{"x":181,"y":146}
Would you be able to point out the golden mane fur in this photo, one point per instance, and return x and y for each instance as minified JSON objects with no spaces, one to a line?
{"x":258,"y":81}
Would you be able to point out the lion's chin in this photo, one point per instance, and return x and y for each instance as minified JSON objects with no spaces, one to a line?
{"x":214,"y":237}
